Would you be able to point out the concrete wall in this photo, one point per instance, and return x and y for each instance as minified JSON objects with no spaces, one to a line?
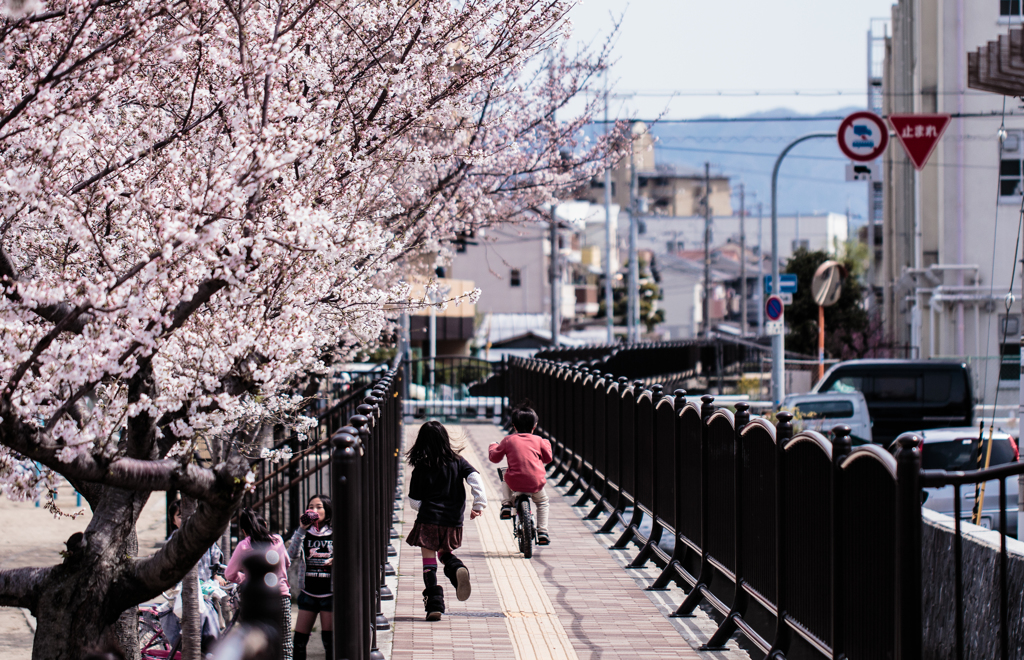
{"x":981,"y":590}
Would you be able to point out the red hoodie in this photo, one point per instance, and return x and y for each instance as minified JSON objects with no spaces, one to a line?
{"x":527,"y":455}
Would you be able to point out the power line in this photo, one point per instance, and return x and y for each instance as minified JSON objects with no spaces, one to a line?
{"x":745,"y":93}
{"x":837,"y":159}
{"x":762,"y":120}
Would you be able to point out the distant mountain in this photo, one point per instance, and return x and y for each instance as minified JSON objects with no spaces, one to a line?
{"x":813,"y":175}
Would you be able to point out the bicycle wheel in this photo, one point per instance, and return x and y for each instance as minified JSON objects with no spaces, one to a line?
{"x":525,"y":528}
{"x":151,"y":637}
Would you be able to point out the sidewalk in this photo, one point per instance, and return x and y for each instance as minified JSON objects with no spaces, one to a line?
{"x":572,"y":600}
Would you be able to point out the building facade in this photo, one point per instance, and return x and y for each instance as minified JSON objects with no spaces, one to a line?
{"x":668,"y":190}
{"x":950,"y":230}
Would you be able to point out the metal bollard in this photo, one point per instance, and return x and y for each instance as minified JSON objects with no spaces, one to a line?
{"x":351,"y":635}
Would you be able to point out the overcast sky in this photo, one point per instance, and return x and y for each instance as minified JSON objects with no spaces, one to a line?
{"x":740,"y":46}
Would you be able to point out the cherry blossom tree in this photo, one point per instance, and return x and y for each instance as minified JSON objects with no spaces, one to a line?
{"x":202,"y":201}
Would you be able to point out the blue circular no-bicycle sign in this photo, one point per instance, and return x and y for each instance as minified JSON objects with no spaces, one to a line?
{"x":773,"y":308}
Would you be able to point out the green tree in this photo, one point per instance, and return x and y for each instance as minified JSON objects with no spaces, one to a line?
{"x":846,"y":322}
{"x":650,"y":314}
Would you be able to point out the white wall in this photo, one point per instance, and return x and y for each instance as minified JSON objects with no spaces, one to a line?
{"x":489,"y":265}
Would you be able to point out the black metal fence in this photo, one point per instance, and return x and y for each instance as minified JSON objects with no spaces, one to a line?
{"x":823,"y":538}
{"x":282,"y":489}
{"x":365,"y":491}
{"x":455,"y":387}
{"x":363,"y":470}
{"x":666,"y":362}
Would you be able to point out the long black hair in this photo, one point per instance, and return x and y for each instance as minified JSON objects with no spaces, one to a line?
{"x":325,"y":500}
{"x":433,"y":447}
{"x":254,"y":526}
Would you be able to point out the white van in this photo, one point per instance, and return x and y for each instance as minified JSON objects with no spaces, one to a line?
{"x":823,"y":412}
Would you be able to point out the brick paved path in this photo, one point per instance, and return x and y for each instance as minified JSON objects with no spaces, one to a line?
{"x":572,"y":600}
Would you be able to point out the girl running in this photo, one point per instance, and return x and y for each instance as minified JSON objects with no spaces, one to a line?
{"x":312,"y":545}
{"x":438,"y":494}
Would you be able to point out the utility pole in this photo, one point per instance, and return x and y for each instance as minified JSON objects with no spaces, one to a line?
{"x":556,"y":281}
{"x":608,"y":272}
{"x":760,"y":269}
{"x":707,"y":251}
{"x":633,"y":310}
{"x":743,"y":265}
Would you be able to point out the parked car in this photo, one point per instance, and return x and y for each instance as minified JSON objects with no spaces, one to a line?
{"x":905,"y":395}
{"x":823,"y":412}
{"x":958,"y":449}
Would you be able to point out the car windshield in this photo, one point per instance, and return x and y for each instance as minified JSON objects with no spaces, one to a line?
{"x":824,"y":409}
{"x":961,"y":454}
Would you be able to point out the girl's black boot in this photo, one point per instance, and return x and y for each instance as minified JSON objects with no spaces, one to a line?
{"x":457,"y":572}
{"x":433,"y":602}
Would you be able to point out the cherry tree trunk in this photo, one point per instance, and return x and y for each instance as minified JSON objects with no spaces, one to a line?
{"x":82,"y":606}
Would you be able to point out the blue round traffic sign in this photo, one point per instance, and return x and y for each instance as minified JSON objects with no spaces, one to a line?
{"x":773,"y":308}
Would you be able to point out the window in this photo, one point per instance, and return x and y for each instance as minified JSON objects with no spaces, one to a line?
{"x":1009,"y":347}
{"x":962,"y":454}
{"x":1009,"y":7}
{"x":937,"y":387}
{"x":1011,"y":167}
{"x":515,"y":279}
{"x":825,"y":409}
{"x":895,"y":388}
{"x":847,"y":384}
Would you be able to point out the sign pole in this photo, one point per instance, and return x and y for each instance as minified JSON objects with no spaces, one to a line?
{"x":821,"y":342}
{"x":779,"y":341}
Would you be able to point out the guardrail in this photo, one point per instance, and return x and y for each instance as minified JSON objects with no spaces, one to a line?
{"x":804,"y":529}
{"x":909,"y":459}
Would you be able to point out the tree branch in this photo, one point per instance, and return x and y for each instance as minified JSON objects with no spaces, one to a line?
{"x":56,"y":313}
{"x":128,"y":473}
{"x":19,"y":587}
{"x":154,"y":574}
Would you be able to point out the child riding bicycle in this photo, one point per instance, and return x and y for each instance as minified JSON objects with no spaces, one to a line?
{"x":527,"y":456}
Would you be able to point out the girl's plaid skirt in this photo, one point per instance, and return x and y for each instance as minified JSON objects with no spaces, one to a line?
{"x":435,"y":537}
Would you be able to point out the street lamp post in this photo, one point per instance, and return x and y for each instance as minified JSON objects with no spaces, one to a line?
{"x":779,"y":340}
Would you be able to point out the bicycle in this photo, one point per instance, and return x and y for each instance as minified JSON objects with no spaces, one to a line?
{"x":153,"y":642}
{"x":524,"y":526}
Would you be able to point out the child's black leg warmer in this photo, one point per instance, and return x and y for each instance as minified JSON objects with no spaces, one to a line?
{"x":299,"y":648}
{"x":429,"y":572}
{"x":328,"y":640}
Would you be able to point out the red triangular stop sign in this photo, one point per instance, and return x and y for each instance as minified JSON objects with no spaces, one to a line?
{"x":919,"y":134}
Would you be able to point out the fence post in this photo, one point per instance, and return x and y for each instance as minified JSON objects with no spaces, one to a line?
{"x":908,"y":517}
{"x":783,"y":434}
{"x":841,"y":447}
{"x":350,"y":629}
{"x":740,"y":599}
{"x":706,"y":573}
{"x":365,"y":422}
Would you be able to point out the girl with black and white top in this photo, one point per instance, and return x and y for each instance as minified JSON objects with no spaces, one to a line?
{"x":312,"y":546}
